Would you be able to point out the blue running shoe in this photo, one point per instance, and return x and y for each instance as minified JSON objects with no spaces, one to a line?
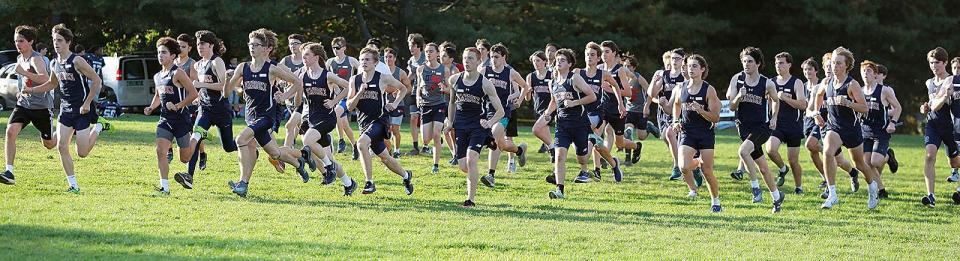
{"x":757,"y":195}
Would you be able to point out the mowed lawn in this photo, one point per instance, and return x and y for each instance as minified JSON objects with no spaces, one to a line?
{"x":118,"y":215}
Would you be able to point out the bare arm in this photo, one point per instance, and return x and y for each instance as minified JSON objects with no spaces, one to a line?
{"x":492,"y":97}
{"x":520,"y":88}
{"x":616,"y":91}
{"x":733,"y":93}
{"x":855,"y":92}
{"x":774,"y":102}
{"x":40,"y":76}
{"x":352,"y":97}
{"x":713,"y":101}
{"x":581,"y":86}
{"x":393,"y":86}
{"x":296,"y":84}
{"x":88,"y":72}
{"x":220,"y":70}
{"x":52,"y":82}
{"x":184,"y":81}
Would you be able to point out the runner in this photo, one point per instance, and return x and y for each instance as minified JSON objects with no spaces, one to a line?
{"x":660,"y":91}
{"x":879,"y":121}
{"x":429,"y":97}
{"x":789,"y":122}
{"x":638,"y":107}
{"x":254,"y":78}
{"x":31,"y":108}
{"x":843,"y":99}
{"x":596,"y":79}
{"x":415,"y":44}
{"x":697,"y":110}
{"x":366,"y":97}
{"x":78,"y":115}
{"x":319,"y":85}
{"x":174,"y":94}
{"x":939,"y":127}
{"x":506,"y":80}
{"x":345,"y":67}
{"x":396,"y":116}
{"x":214,"y":107}
{"x":467,"y":115}
{"x":750,"y":92}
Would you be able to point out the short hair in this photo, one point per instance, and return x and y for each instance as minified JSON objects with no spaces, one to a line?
{"x":501,"y":49}
{"x":679,"y":51}
{"x":448,"y":44}
{"x":552,"y":45}
{"x":628,"y":58}
{"x":881,"y":69}
{"x":298,"y":37}
{"x":269,"y":38}
{"x":703,"y":63}
{"x":595,"y":47}
{"x":375,"y":42}
{"x":812,"y":63}
{"x":568,"y":54}
{"x":538,"y":54}
{"x":869,"y":64}
{"x":939,"y":54}
{"x":390,"y":51}
{"x":40,"y":45}
{"x":786,"y":57}
{"x":338,"y":40}
{"x":826,"y":58}
{"x":451,"y":52}
{"x":482,"y":42}
{"x":316,"y":49}
{"x":211,"y":38}
{"x":376,"y":54}
{"x":172,"y":46}
{"x":79,"y":48}
{"x":755,"y":53}
{"x":666,"y":56}
{"x":472,"y":49}
{"x":186,"y":38}
{"x":62,"y":30}
{"x":840,"y":51}
{"x":28,"y":32}
{"x":613,"y":46}
{"x":417,"y":39}
{"x":955,"y":59}
{"x":431,"y":44}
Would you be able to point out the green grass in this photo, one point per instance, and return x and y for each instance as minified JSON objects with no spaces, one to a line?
{"x":646,"y":216}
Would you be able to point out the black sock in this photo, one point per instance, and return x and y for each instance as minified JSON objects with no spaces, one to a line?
{"x":436,"y":166}
{"x":596,"y":169}
{"x":416,"y":145}
{"x":492,"y":171}
{"x":560,"y":187}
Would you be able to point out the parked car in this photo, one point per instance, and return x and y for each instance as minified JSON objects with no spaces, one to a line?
{"x":128,"y":79}
{"x":9,"y":86}
{"x":8,"y":57}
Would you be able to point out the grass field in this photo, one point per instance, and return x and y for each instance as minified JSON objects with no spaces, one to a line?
{"x":646,"y":216}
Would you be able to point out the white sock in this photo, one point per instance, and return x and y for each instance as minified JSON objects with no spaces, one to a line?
{"x":73,"y":181}
{"x":832,"y":189}
{"x":165,"y":184}
{"x":98,"y":127}
{"x":775,"y":194}
{"x":873,"y":186}
{"x":326,"y":161}
{"x":715,"y":201}
{"x":800,"y":187}
{"x":754,"y":184}
{"x":783,"y":169}
{"x":9,"y":168}
{"x":406,"y":175}
{"x":195,"y":136}
{"x":346,"y":181}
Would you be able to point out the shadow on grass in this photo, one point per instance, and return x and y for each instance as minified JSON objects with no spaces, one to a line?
{"x":39,"y":242}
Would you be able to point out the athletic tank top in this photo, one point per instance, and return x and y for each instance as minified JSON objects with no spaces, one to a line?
{"x":840,"y":117}
{"x":429,"y":86}
{"x":33,"y":101}
{"x":169,"y":92}
{"x":316,"y":92}
{"x":788,"y":116}
{"x":412,"y":66}
{"x":73,"y":87}
{"x":370,"y":107}
{"x":939,"y":117}
{"x":955,"y":95}
{"x":876,"y":116}
{"x":501,"y":82}
{"x":594,"y":82}
{"x":343,"y":68}
{"x":187,"y":64}
{"x":258,"y":93}
{"x":210,"y":99}
{"x":753,"y":106}
{"x":471,"y":102}
{"x":638,"y":96}
{"x":541,"y":90}
{"x":666,"y":92}
{"x":569,"y":117}
{"x":609,"y":98}
{"x":693,"y":122}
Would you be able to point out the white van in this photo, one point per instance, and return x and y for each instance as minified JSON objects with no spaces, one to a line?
{"x":128,"y":79}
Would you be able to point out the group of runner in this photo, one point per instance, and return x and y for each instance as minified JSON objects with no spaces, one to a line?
{"x":600,"y":106}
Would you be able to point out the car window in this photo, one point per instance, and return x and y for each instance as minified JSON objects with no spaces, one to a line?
{"x":153,"y":66}
{"x":133,"y":70}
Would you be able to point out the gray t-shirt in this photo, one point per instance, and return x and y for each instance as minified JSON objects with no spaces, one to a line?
{"x":34,"y":101}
